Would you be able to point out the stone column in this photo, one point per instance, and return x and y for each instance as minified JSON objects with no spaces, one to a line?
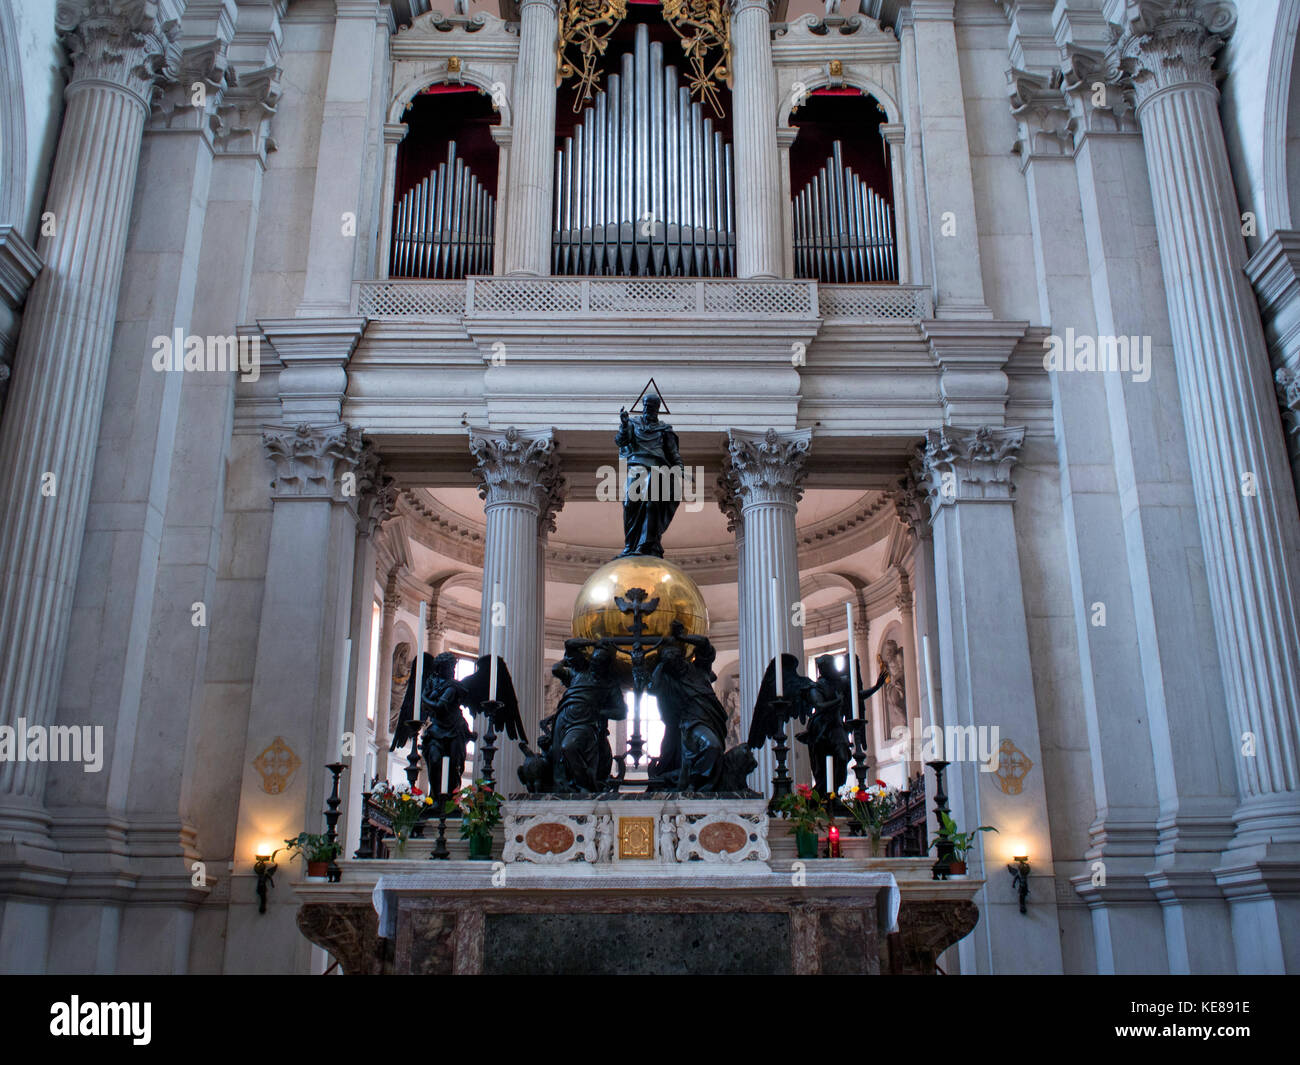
{"x":532,"y":156}
{"x":949,"y":184}
{"x":730,"y":504}
{"x":384,"y":680}
{"x":119,"y":52}
{"x":767,"y":470}
{"x":988,"y":684}
{"x":896,"y":140}
{"x":912,"y":665}
{"x":518,"y":472}
{"x":1246,"y":500}
{"x":758,"y":181}
{"x":394,"y":134}
{"x":785,"y":138}
{"x":913,"y":507}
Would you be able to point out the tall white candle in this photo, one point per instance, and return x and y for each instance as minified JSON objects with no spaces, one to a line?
{"x":830,"y":776}
{"x":776,"y":638}
{"x":929,"y":684}
{"x":854,"y":688}
{"x":443,"y":789}
{"x":492,"y":641}
{"x":420,"y":636}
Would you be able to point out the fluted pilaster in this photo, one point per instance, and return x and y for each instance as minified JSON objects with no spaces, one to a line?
{"x":519,"y":480}
{"x":1246,"y":501}
{"x":531,"y":182}
{"x":758,"y":183}
{"x":119,"y":51}
{"x":767,"y":470}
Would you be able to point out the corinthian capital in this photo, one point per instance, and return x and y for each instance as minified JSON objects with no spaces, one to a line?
{"x":911,"y":498}
{"x":377,"y":492}
{"x":1164,"y":43}
{"x":1288,"y":390}
{"x":770,"y":466}
{"x":126,"y":43}
{"x":310,"y":461}
{"x":515,"y":465}
{"x":970,"y":464}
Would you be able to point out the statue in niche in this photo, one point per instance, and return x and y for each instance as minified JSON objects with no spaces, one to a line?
{"x":401,"y":678}
{"x":731,"y":702}
{"x":890,"y":661}
{"x":580,"y":754}
{"x":441,"y":729}
{"x":654,"y":478}
{"x":689,"y":708}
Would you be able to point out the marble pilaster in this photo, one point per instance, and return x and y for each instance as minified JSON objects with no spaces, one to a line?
{"x":119,"y":53}
{"x":304,"y":620}
{"x":1246,"y":498}
{"x":754,"y":97}
{"x":988,"y":682}
{"x":531,"y":179}
{"x":519,"y":479}
{"x":931,"y":39}
{"x":767,"y":471}
{"x":339,"y":221}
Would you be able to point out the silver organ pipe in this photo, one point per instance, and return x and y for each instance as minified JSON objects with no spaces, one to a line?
{"x":443,"y":227}
{"x":843,"y":229}
{"x":644,"y":185}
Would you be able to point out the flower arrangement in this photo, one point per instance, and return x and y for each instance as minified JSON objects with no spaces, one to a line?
{"x":804,"y":809}
{"x":869,"y":807}
{"x":479,"y":807}
{"x":404,"y":808}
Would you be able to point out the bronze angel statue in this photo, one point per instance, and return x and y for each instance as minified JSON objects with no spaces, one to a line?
{"x":823,"y":705}
{"x":441,"y":726}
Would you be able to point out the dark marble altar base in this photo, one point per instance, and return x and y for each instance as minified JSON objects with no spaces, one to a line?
{"x":606,"y":935}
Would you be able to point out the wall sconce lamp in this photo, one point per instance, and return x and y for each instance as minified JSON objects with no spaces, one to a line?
{"x":1018,"y":867}
{"x":264,"y":867}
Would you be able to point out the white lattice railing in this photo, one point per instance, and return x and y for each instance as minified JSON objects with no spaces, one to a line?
{"x":633,"y":297}
{"x":875,"y":303}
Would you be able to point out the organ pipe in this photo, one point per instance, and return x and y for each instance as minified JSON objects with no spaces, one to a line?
{"x":843,"y":228}
{"x":443,"y":227}
{"x":644,"y":185}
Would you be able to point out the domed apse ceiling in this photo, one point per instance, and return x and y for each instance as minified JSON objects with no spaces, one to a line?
{"x":595,"y":529}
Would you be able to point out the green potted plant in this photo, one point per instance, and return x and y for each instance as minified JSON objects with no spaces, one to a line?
{"x":316,"y":850}
{"x":480,"y":812}
{"x":960,"y":842}
{"x":806,"y":812}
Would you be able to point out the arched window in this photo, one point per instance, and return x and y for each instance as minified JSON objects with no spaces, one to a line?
{"x":444,"y":203}
{"x":643,"y":170}
{"x":842,"y":195}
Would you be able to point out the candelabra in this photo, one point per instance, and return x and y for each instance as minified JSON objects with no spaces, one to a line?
{"x":781,"y":776}
{"x":940,"y":869}
{"x":490,"y":709}
{"x":332,"y":871}
{"x":440,"y":850}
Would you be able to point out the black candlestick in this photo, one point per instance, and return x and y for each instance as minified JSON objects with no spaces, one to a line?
{"x":781,"y":777}
{"x":413,"y":761}
{"x":332,"y":871}
{"x":490,"y":709}
{"x":944,"y":851}
{"x":366,"y":842}
{"x":440,"y":850}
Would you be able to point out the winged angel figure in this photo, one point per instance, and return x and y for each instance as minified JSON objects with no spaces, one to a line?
{"x":441,"y":724}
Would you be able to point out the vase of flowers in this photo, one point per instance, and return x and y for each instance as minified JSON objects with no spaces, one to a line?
{"x":404,"y":809}
{"x":480,"y":812}
{"x":869,"y":807}
{"x":806,"y":811}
